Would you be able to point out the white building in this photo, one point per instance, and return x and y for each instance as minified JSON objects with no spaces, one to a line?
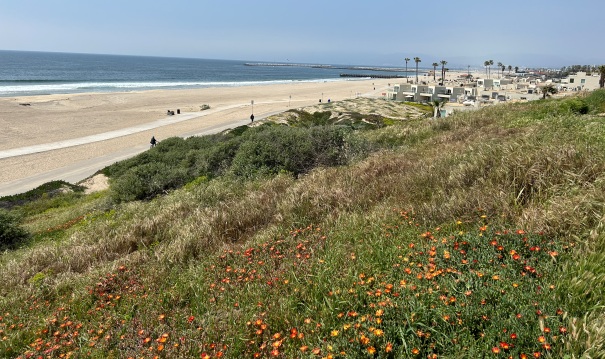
{"x":580,"y":81}
{"x":428,"y":93}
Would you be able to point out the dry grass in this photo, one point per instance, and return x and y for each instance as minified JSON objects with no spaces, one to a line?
{"x":541,"y":175}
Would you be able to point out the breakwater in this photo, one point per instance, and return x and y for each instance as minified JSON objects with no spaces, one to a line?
{"x":363,"y":68}
{"x":373,"y":76}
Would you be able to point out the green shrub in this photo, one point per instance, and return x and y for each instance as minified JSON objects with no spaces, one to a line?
{"x":147,"y":181}
{"x":295,"y":150}
{"x":45,"y":192}
{"x":596,"y":101}
{"x":11,"y":233}
{"x":575,"y":105}
{"x":306,"y":119}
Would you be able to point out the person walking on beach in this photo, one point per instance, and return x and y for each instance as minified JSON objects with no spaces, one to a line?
{"x":153,"y":141}
{"x":252,"y":118}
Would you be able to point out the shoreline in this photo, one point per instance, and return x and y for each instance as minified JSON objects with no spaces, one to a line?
{"x":50,"y":119}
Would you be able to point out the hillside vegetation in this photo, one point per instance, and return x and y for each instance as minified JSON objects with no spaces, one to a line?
{"x":325,"y":235}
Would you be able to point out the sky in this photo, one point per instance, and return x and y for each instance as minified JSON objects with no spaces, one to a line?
{"x":523,"y":33}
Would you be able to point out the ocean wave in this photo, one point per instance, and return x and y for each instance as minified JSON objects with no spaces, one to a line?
{"x":26,"y":87}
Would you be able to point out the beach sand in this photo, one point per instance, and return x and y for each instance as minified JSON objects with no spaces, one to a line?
{"x":46,"y":120}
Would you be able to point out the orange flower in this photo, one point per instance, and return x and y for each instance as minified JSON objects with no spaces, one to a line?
{"x":364,"y":340}
{"x":388,"y":348}
{"x":304,"y":348}
{"x":541,"y":339}
{"x":371,"y":350}
{"x":415,"y":351}
{"x":162,"y":316}
{"x":495,"y":350}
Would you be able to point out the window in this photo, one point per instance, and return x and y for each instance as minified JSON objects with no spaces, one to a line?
{"x":583,"y":81}
{"x":571,"y":81}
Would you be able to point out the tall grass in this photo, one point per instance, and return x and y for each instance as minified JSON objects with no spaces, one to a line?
{"x":456,"y":235}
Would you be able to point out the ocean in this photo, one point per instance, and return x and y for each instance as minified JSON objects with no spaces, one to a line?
{"x":24,"y":73}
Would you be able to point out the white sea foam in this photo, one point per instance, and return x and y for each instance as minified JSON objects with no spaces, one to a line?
{"x":78,"y":87}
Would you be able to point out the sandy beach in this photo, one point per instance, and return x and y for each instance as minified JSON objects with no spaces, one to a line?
{"x":68,"y":131}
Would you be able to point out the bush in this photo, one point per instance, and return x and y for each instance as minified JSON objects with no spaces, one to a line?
{"x":575,"y":105}
{"x":596,"y":101}
{"x":295,"y":150}
{"x":11,"y":233}
{"x":147,"y":181}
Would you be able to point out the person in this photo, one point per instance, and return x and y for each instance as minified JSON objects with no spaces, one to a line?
{"x":252,"y":118}
{"x":153,"y":141}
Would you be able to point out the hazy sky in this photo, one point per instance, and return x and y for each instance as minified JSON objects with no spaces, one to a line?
{"x":357,"y":32}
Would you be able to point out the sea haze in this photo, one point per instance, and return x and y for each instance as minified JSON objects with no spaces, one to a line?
{"x":39,"y":73}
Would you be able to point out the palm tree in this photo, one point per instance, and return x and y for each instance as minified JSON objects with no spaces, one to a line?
{"x":417,"y":60}
{"x":434,"y":69}
{"x":406,"y":68}
{"x":486,"y":64}
{"x":516,"y":69}
{"x":602,"y":73}
{"x":547,"y":90}
{"x":500,"y":65}
{"x":491,"y":62}
{"x":437,"y":105}
{"x":443,"y":63}
{"x":510,"y":67}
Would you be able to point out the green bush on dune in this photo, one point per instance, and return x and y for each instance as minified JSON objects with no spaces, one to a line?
{"x":11,"y":233}
{"x":264,"y":150}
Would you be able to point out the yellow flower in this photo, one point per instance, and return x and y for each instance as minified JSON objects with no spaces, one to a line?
{"x":334,"y":333}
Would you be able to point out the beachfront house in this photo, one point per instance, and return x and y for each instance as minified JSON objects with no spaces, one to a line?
{"x":428,"y":93}
{"x":489,"y":84}
{"x":401,"y":92}
{"x":580,"y":81}
{"x":422,"y":93}
{"x":459,"y":93}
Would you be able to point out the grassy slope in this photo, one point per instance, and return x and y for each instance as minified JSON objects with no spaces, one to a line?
{"x":480,"y":233}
